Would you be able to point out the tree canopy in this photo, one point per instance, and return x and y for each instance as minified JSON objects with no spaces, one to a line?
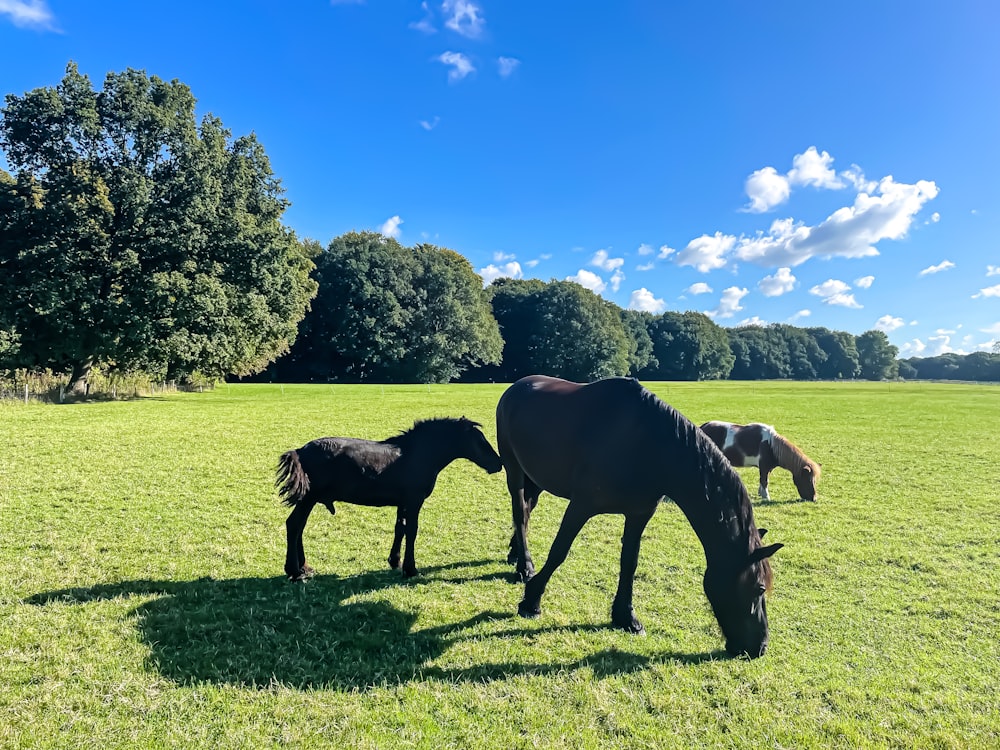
{"x":136,"y":238}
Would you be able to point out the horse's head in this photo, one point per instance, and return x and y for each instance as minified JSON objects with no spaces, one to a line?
{"x":736,"y":593}
{"x":805,"y":480}
{"x":479,"y":450}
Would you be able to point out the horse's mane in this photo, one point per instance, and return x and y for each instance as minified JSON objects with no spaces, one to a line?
{"x":790,"y":456}
{"x":435,"y":423}
{"x":723,"y":487}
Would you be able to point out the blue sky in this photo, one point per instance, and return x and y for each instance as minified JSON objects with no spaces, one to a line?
{"x":820,"y":164}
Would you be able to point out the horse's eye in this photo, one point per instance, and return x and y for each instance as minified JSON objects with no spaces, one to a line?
{"x":761,"y":589}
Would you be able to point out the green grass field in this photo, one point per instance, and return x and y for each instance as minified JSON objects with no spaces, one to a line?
{"x":142,"y":602}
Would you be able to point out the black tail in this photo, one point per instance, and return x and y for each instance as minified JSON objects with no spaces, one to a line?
{"x":292,"y":481}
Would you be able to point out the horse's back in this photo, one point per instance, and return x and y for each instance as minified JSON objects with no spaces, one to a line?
{"x":563,"y":434}
{"x":349,"y":469}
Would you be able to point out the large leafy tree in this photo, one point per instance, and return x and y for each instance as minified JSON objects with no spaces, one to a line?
{"x":841,"y":352}
{"x":876,"y":356}
{"x":689,"y":346}
{"x":560,"y":329}
{"x":389,"y":313}
{"x":136,"y":238}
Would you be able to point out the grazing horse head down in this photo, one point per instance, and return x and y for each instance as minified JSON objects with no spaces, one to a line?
{"x":613,"y":447}
{"x":400,"y":471}
{"x":760,"y":445}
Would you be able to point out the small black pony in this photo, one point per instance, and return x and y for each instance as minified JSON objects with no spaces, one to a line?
{"x":614,"y":447}
{"x":400,"y":471}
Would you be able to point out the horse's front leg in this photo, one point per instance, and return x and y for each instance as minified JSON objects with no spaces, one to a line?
{"x":295,"y":556}
{"x":576,"y":515}
{"x":411,"y":525}
{"x":622,"y":613}
{"x":397,"y":539}
{"x":765,"y":471}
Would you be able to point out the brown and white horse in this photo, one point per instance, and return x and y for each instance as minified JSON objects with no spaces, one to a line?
{"x":760,"y":445}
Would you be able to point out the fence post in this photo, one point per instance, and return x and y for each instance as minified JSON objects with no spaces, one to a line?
{"x":25,"y":393}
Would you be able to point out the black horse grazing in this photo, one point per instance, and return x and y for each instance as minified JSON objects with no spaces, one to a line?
{"x":614,"y":447}
{"x":400,"y":471}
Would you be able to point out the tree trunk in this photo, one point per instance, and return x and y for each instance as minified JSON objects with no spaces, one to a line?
{"x":78,"y":380}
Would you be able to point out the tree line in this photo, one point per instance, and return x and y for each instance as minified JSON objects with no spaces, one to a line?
{"x":136,"y":239}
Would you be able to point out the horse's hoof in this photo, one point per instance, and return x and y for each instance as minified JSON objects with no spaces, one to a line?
{"x":394,"y":563}
{"x":530,"y":611}
{"x":410,"y":572}
{"x":628,"y":622}
{"x":301,"y":575}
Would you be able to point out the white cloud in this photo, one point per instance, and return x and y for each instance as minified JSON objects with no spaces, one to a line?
{"x":938,"y":345}
{"x":752,"y":321}
{"x":492,"y":272}
{"x":391,"y":226}
{"x":461,"y":66}
{"x":645,"y":249}
{"x":602,"y":261}
{"x":813,"y":168}
{"x":835,"y":292}
{"x":643,"y":299}
{"x":699,"y":287}
{"x":507,"y":65}
{"x":849,"y":232}
{"x":706,"y":252}
{"x":799,"y":315}
{"x":532,"y":263}
{"x":780,"y":283}
{"x":646,"y":266}
{"x":616,"y":280}
{"x":990,"y":291}
{"x":888,"y":323}
{"x":935,"y":217}
{"x":463,"y":17}
{"x":425,"y":24}
{"x":766,"y":189}
{"x":588,"y":279}
{"x":993,"y":270}
{"x":665,"y":252}
{"x":857,"y":178}
{"x":28,"y":13}
{"x":913,"y":348}
{"x":499,"y":256}
{"x":994,"y":329}
{"x":425,"y":124}
{"x":729,"y":304}
{"x":942,"y":266}
{"x":865,"y":282}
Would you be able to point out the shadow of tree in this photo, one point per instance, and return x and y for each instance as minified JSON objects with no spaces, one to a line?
{"x":258,"y":632}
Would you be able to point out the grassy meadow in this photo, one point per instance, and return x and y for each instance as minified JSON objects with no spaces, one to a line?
{"x":142,"y":601}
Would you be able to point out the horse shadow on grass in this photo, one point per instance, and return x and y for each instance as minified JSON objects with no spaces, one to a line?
{"x":260,"y":632}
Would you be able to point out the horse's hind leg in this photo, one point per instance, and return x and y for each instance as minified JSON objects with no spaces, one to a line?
{"x":520,"y":488}
{"x":765,"y":471}
{"x":622,"y":614}
{"x":295,"y":556}
{"x":574,"y":518}
{"x":411,"y":520}
{"x":397,"y":539}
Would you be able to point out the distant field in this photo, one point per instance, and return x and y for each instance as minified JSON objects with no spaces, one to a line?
{"x":142,"y":602}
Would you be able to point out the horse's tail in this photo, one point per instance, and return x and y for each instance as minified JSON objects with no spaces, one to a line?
{"x":292,"y":481}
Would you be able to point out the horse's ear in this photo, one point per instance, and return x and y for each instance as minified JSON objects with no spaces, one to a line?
{"x":807,"y":469}
{"x":763,"y":552}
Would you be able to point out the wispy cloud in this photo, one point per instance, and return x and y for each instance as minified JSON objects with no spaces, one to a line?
{"x":835,"y":292}
{"x":34,"y":14}
{"x":425,"y":24}
{"x":865,"y":282}
{"x":492,"y":272}
{"x":391,"y":227}
{"x":990,"y":291}
{"x":461,"y":66}
{"x":729,"y":303}
{"x":507,"y":65}
{"x":942,"y":266}
{"x":699,"y":287}
{"x":588,"y":279}
{"x":430,"y":124}
{"x":602,"y":261}
{"x":993,"y":270}
{"x":799,"y":315}
{"x":889,"y":323}
{"x":463,"y":17}
{"x":780,"y":283}
{"x":645,"y":300}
